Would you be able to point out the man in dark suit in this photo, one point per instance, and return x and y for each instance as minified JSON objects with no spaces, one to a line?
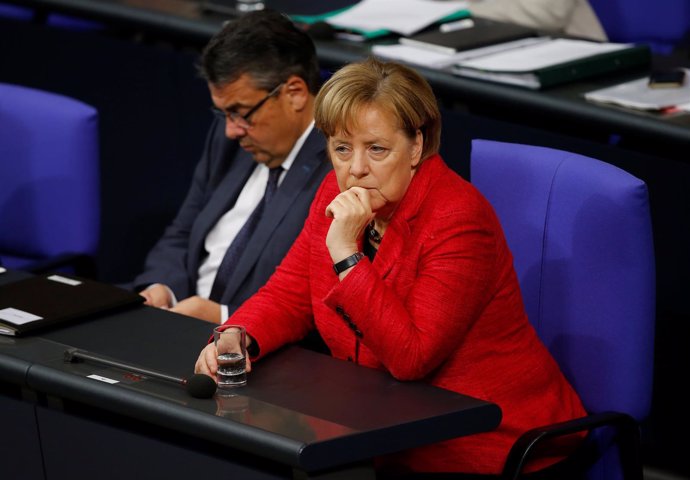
{"x":260,"y":168}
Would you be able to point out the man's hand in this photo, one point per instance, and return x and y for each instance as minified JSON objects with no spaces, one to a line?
{"x":200,"y":308}
{"x":157,"y":295}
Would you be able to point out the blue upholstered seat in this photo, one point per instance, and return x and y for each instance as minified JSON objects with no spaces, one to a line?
{"x":581,"y":236}
{"x":662,"y":24}
{"x":49,"y":178}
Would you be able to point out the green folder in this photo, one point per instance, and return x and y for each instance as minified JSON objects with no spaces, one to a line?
{"x":565,"y":72}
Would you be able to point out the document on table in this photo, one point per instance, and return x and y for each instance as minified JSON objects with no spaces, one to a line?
{"x":543,"y":52}
{"x":415,"y":55}
{"x":543,"y":62}
{"x":405,"y":17}
{"x":637,"y":94}
{"x":439,"y":60}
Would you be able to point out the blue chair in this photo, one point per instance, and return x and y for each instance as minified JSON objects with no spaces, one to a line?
{"x":70,"y":22}
{"x":56,"y":20}
{"x":581,"y":236}
{"x":662,"y":24}
{"x":15,"y":12}
{"x":50,"y":177}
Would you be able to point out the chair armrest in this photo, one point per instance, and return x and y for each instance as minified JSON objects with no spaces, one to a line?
{"x":627,"y":436}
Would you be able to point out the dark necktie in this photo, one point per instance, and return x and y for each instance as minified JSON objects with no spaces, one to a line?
{"x":238,"y":245}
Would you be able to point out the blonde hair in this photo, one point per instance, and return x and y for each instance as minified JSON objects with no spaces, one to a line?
{"x":392,"y":87}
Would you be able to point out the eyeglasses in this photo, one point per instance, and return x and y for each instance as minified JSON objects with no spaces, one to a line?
{"x":242,"y":121}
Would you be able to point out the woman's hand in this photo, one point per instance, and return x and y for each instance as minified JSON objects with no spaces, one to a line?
{"x":207,"y":363}
{"x":351,"y":212}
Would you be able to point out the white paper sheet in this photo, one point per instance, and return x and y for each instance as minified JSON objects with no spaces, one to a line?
{"x":636,"y":94}
{"x":405,"y":17}
{"x":439,"y":60}
{"x":17,"y":317}
{"x":414,"y":55}
{"x":540,"y":55}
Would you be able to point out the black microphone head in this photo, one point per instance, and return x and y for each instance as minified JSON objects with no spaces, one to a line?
{"x":321,"y":31}
{"x":201,"y":386}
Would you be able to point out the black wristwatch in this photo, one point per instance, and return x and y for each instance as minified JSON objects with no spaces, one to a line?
{"x":350,"y":261}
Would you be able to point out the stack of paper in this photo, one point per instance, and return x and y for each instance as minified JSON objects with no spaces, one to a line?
{"x":465,"y":39}
{"x":543,"y":62}
{"x":415,"y":55}
{"x":637,"y":94}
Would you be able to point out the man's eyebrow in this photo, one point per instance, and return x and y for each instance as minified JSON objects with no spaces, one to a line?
{"x":233,"y":107}
{"x":229,"y":108}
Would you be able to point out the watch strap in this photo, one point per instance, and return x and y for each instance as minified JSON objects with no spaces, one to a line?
{"x":350,"y":261}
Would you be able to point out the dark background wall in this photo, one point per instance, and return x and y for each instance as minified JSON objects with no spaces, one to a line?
{"x":153,"y":119}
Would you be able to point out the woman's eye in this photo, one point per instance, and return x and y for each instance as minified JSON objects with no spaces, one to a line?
{"x":341,"y":149}
{"x":377,"y":149}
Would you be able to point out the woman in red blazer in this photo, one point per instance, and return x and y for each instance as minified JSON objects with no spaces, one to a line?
{"x":402,"y":265}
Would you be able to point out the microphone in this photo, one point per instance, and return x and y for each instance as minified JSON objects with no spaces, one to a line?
{"x":198,"y":385}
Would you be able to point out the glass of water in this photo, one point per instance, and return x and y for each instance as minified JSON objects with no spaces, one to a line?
{"x":244,"y":6}
{"x":231,"y":344}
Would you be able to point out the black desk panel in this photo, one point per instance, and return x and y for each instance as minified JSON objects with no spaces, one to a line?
{"x":85,"y":446}
{"x":19,"y":442}
{"x":301,"y":409}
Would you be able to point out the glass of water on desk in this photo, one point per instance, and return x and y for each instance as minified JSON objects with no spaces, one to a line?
{"x":244,"y":6}
{"x":231,"y":344}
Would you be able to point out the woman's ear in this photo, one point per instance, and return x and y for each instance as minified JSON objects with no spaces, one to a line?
{"x":297,"y":92}
{"x":417,"y":147}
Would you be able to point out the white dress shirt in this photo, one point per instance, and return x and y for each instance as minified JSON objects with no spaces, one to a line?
{"x":223,"y":233}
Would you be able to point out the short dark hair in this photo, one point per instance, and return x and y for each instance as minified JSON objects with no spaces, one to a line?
{"x":267,"y":46}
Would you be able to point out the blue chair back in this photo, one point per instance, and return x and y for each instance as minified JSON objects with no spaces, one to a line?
{"x":581,"y":236}
{"x":15,"y":12}
{"x":660,"y":23}
{"x":50,"y":177}
{"x":58,"y":20}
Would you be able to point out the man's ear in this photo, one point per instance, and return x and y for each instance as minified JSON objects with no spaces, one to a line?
{"x":297,"y":92}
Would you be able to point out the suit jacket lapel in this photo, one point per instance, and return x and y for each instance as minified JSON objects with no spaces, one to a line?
{"x":223,"y":198}
{"x":391,"y":247}
{"x":398,"y":232}
{"x":310,"y":157}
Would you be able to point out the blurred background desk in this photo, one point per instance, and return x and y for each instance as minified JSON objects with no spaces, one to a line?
{"x":186,"y":23}
{"x":302,"y":415}
{"x":136,"y":64}
{"x":562,"y":109}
